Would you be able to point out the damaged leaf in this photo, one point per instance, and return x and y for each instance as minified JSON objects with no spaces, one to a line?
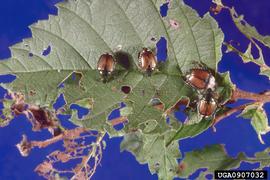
{"x":72,"y":59}
{"x":76,"y":38}
{"x":152,"y":149}
{"x":259,"y":120}
{"x":252,"y":34}
{"x":225,"y":88}
{"x":249,"y":31}
{"x":214,"y":158}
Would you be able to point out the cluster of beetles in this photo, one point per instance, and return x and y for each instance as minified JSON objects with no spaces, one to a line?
{"x":200,"y":79}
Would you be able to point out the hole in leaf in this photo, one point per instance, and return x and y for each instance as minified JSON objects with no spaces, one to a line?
{"x":73,"y":76}
{"x":1,"y":112}
{"x":60,"y":102}
{"x":61,"y":85}
{"x":122,"y":105}
{"x":65,"y":118}
{"x":125,"y":89}
{"x":179,"y":114}
{"x":81,"y":111}
{"x":65,"y":121}
{"x":5,"y":94}
{"x":74,"y":79}
{"x":164,"y":9}
{"x":255,"y":52}
{"x":46,"y":51}
{"x":153,"y":39}
{"x":174,"y":24}
{"x":1,"y":107}
{"x":168,"y":120}
{"x":115,"y":116}
{"x":162,"y":49}
{"x":123,"y":59}
{"x":30,"y":54}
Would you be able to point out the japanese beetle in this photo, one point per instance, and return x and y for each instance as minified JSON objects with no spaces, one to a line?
{"x":106,"y":64}
{"x":207,"y":105}
{"x":200,"y":79}
{"x":147,"y":61}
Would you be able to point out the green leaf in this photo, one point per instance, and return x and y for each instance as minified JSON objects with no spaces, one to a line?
{"x":81,"y":32}
{"x":214,"y":158}
{"x":225,"y":87}
{"x":77,"y":44}
{"x":40,"y":88}
{"x":259,"y":120}
{"x":126,"y":111}
{"x":195,"y":39}
{"x":152,"y":149}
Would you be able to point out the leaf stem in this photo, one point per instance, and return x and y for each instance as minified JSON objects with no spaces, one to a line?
{"x":261,"y":97}
{"x":237,"y":94}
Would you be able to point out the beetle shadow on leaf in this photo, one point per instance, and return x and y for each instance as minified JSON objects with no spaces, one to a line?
{"x":124,"y":59}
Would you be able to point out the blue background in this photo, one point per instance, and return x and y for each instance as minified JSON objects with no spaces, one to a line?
{"x":236,"y":133}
